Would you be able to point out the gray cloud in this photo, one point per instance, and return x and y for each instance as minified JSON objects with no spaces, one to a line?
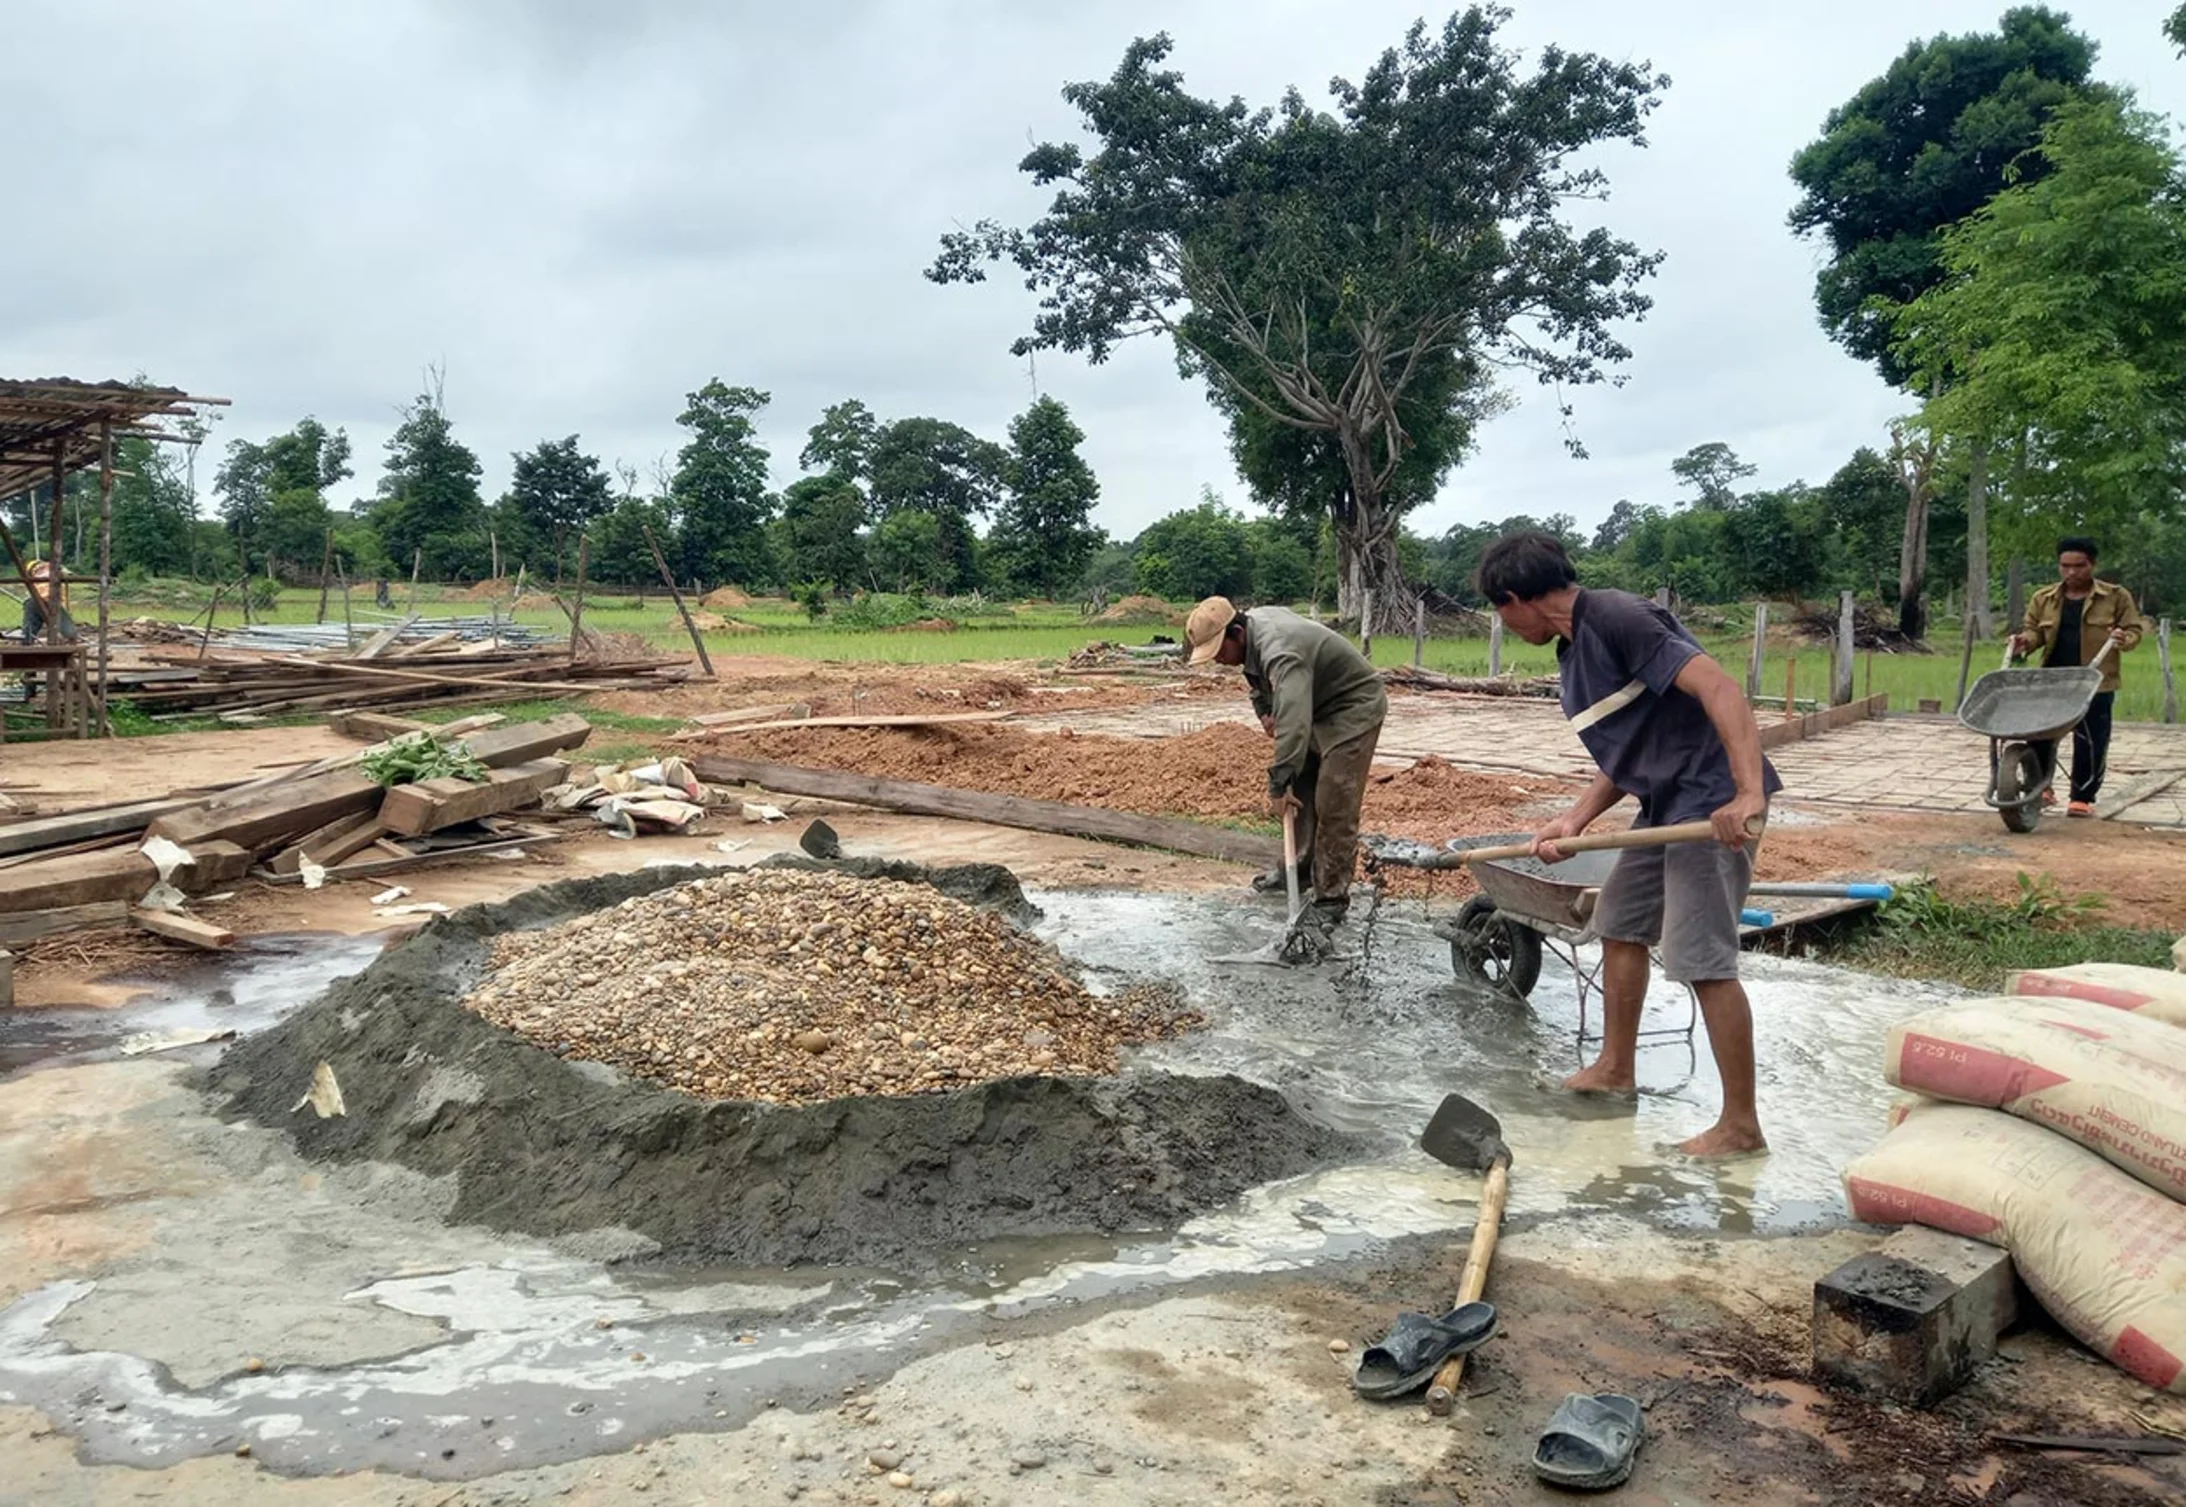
{"x":586,"y":210}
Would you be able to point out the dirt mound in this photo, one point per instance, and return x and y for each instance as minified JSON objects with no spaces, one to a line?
{"x":1133,"y":611}
{"x":548,"y":1147}
{"x":924,"y":625}
{"x":797,"y":987}
{"x":487,"y":591}
{"x":724,"y":598}
{"x":709,"y":622}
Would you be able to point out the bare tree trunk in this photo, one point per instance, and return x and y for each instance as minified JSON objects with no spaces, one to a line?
{"x":1915,"y":460}
{"x":1367,"y":568}
{"x":1978,"y":615}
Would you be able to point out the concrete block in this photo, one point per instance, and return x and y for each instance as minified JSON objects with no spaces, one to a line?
{"x":1911,"y":1319}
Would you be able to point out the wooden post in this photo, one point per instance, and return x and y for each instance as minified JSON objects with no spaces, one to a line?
{"x":2163,"y":658}
{"x":1662,"y":596}
{"x":1791,"y":686}
{"x":1869,"y":691}
{"x":1760,"y":645}
{"x":1419,"y":632}
{"x":349,"y":626}
{"x":417,"y":564}
{"x":1840,"y":686}
{"x":1495,"y":645}
{"x":326,"y":571}
{"x":1965,"y":667}
{"x":106,"y":559}
{"x":676,"y":591}
{"x":54,"y":700}
{"x":1366,"y":624}
{"x":2015,"y":596}
{"x":493,"y":542}
{"x":576,"y":617}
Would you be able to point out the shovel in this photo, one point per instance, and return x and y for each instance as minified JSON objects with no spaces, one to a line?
{"x":1465,"y":1136}
{"x":1300,"y":942}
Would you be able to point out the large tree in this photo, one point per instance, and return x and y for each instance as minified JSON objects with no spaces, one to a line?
{"x":2059,"y":335}
{"x":1043,"y":532}
{"x":1911,"y":154}
{"x":273,"y":495}
{"x":153,"y":509}
{"x":840,"y":443}
{"x":556,"y":490}
{"x":930,"y":466}
{"x":719,"y":490}
{"x":822,"y":520}
{"x":430,"y":511}
{"x":1713,"y":471}
{"x":1320,"y":267}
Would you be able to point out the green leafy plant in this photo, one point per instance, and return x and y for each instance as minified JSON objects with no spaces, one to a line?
{"x":420,"y":756}
{"x":1921,"y":933}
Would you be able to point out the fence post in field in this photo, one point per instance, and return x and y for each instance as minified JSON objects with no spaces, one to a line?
{"x":2163,"y":658}
{"x":1366,"y":623}
{"x":1840,"y":680}
{"x":1495,"y":644}
{"x":2015,"y":596}
{"x":1419,"y":633}
{"x":1760,"y":639}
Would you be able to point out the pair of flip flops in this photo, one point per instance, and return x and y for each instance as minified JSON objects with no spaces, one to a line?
{"x":1590,"y":1442}
{"x":1407,"y":1358}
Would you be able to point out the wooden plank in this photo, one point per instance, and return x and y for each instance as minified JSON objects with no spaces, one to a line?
{"x":367,"y":868}
{"x":521,"y":742}
{"x":744,"y":714}
{"x":181,"y":928}
{"x":425,"y":646}
{"x":999,"y":810}
{"x":377,"y":644}
{"x":77,"y":826}
{"x":21,"y":928}
{"x":913,"y":719}
{"x":414,"y":810}
{"x":315,"y":845}
{"x":85,"y":879}
{"x":373,"y":727}
{"x":261,"y":815}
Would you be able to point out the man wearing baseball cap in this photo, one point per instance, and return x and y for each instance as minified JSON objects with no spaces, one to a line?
{"x":1323,"y":704}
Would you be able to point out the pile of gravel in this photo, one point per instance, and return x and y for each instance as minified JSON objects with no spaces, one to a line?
{"x":793,"y":987}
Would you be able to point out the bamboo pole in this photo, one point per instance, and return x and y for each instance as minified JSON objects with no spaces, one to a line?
{"x":1419,"y":632}
{"x":576,"y":618}
{"x":1495,"y":646}
{"x":676,"y":591}
{"x":326,"y":569}
{"x":417,"y":564}
{"x":106,"y":561}
{"x":2163,"y":657}
{"x":1755,"y":660}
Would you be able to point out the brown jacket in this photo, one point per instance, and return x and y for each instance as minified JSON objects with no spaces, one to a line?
{"x":2108,"y":606}
{"x":1319,"y":690}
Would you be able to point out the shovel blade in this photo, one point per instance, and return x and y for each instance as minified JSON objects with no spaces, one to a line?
{"x":1464,"y":1135}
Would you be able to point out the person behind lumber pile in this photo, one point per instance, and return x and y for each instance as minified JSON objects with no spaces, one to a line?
{"x":2072,"y":620}
{"x":1666,"y":724}
{"x":1323,"y":704}
{"x":46,"y":595}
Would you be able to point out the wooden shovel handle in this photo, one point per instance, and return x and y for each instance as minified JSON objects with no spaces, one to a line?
{"x":1442,"y":1393}
{"x":1638,"y":837}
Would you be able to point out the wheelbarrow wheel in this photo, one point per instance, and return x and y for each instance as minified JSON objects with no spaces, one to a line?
{"x":1499,"y":951}
{"x":2019,"y":775}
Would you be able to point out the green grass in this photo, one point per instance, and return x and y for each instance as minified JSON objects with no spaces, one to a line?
{"x":1920,"y":934}
{"x":1048,"y":632}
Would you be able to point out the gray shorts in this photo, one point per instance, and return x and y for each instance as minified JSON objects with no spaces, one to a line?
{"x":1686,"y":898}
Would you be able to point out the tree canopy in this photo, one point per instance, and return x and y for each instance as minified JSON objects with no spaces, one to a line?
{"x":556,"y":490}
{"x":1323,"y":268}
{"x":1043,"y":531}
{"x":719,"y":489}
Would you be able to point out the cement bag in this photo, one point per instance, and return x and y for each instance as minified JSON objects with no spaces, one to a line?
{"x":2111,"y":1081}
{"x":2147,"y":992}
{"x":2104,"y":1254}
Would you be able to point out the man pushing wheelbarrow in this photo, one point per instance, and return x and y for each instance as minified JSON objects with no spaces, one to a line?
{"x":2080,"y":621}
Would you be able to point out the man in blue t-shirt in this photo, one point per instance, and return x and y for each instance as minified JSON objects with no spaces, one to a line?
{"x":1666,"y":724}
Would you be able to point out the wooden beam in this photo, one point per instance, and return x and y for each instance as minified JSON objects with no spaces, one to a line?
{"x":999,"y":810}
{"x":317,"y":844}
{"x":414,"y":810}
{"x":262,"y":815}
{"x":911,"y":719}
{"x":20,"y":928}
{"x":181,"y":928}
{"x":368,"y":868}
{"x":78,"y":826}
{"x":374,"y":727}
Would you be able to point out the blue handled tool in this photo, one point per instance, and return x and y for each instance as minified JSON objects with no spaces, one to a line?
{"x":1757,"y":918}
{"x":1826,"y":891}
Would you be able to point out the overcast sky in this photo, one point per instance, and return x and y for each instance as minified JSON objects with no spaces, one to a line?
{"x":585,"y":210}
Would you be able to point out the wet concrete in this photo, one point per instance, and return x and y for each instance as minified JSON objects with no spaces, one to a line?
{"x":504,"y":1352}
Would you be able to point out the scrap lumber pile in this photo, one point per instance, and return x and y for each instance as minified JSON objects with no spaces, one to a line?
{"x":324,"y":821}
{"x":1105,"y":657}
{"x":1538,"y":687}
{"x":241,"y":685}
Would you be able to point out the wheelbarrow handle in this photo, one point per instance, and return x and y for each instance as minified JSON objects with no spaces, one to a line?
{"x":1638,"y":837}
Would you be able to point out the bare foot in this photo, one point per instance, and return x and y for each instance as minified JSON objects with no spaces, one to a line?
{"x":1598,"y":1079}
{"x":1725,"y":1140}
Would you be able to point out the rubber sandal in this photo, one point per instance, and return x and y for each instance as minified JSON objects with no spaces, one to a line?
{"x":1590,"y":1442}
{"x":2080,"y":808}
{"x":1415,"y":1348}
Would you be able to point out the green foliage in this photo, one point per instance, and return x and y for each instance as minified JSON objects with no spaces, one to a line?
{"x":420,"y":756}
{"x":1200,"y":552}
{"x":555,"y":492}
{"x":840,"y":444}
{"x":1111,"y":570}
{"x":906,"y":552}
{"x":1916,"y":151}
{"x":719,"y":492}
{"x":617,"y":550}
{"x":2062,"y":324}
{"x":1043,"y":533}
{"x":947,"y":474}
{"x":153,"y":508}
{"x":1354,"y":273}
{"x":877,"y":610}
{"x":1713,"y":471}
{"x":812,"y":597}
{"x":429,"y":508}
{"x":1282,"y":568}
{"x":820,"y":538}
{"x":1921,"y":934}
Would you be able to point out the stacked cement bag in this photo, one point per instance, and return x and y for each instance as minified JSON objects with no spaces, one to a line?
{"x":2144,"y":991}
{"x":2070,"y":1153}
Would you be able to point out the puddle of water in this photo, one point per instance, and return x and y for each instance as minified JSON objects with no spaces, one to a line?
{"x":551,"y":1358}
{"x":253,"y":986}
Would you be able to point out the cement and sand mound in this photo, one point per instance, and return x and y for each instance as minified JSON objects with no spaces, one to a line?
{"x":531,"y":1142}
{"x":795,"y":987}
{"x":1140,"y":610}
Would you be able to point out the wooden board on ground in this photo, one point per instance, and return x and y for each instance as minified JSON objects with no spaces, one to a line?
{"x":374,"y":727}
{"x":181,"y":928}
{"x":751,"y":714}
{"x":329,"y":844}
{"x":521,"y":742}
{"x":24,"y":927}
{"x":1000,"y":810}
{"x":271,"y":811}
{"x":414,"y":810}
{"x":912,"y":719}
{"x":368,"y":868}
{"x":78,"y":826}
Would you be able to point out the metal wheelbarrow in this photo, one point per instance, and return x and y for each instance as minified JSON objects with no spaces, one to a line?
{"x":2016,"y":710}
